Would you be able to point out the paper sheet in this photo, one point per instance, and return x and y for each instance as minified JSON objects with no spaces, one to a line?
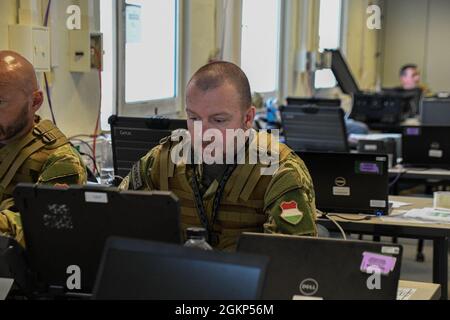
{"x":5,"y":287}
{"x":399,"y":204}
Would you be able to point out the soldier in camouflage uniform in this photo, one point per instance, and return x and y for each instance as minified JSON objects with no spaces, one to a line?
{"x":229,"y":199}
{"x":31,"y":150}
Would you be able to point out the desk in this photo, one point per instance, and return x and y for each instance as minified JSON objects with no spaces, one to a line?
{"x":417,"y":173}
{"x":439,"y":233}
{"x":425,"y":291}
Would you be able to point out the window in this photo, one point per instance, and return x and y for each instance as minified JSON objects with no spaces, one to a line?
{"x":107,"y":23}
{"x":330,"y":38}
{"x":149,"y":51}
{"x":260,"y":41}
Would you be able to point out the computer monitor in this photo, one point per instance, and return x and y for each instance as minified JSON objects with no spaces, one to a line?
{"x":349,"y":182}
{"x":314,"y":128}
{"x":426,"y":146}
{"x":326,"y":268}
{"x":381,"y":110}
{"x":66,"y":229}
{"x":133,"y":138}
{"x":435,"y":112}
{"x":314,"y":102}
{"x":414,"y":96}
{"x":142,"y":270}
{"x":342,"y":73}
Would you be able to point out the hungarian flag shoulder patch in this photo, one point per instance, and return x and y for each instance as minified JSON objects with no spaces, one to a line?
{"x":290,"y":213}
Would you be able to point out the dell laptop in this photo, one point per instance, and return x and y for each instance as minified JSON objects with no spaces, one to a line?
{"x":329,"y":269}
{"x":349,"y":182}
{"x":426,"y":146}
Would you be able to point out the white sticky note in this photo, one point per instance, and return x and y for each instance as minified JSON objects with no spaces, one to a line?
{"x":341,"y":191}
{"x":390,"y":250}
{"x":377,"y":204}
{"x":96,"y":197}
{"x":436,"y":153}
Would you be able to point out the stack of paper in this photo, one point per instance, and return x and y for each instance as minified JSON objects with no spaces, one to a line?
{"x":429,"y":214}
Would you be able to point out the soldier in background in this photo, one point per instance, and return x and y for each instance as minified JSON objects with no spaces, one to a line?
{"x":228,"y":199}
{"x":31,"y":150}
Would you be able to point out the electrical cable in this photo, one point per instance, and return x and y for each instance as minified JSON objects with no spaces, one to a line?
{"x":366,"y":218}
{"x":47,"y":86}
{"x":97,"y":124}
{"x":397,"y":178}
{"x":344,"y":236}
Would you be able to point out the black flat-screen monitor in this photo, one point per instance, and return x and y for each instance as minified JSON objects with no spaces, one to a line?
{"x":133,"y":138}
{"x":342,"y":73}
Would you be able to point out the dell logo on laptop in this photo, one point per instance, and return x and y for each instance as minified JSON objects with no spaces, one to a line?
{"x":309,"y":287}
{"x":340,"y":182}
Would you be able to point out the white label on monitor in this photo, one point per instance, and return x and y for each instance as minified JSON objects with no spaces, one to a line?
{"x":298,"y":297}
{"x":96,"y":197}
{"x":377,"y":204}
{"x":341,"y":191}
{"x":371,"y":147}
{"x":390,"y":250}
{"x":436,"y":153}
{"x":381,"y":159}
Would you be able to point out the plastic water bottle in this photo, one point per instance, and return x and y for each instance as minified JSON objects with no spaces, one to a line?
{"x":271,"y":106}
{"x":196,"y":238}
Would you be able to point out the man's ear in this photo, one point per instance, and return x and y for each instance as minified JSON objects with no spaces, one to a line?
{"x":250,"y":117}
{"x":38,"y":100}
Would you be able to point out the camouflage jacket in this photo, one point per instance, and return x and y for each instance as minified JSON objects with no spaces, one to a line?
{"x":280,"y":203}
{"x":53,"y":162}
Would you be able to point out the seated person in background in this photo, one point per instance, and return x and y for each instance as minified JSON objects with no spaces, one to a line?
{"x":228,"y":199}
{"x":356,"y":127}
{"x":31,"y":150}
{"x":410,"y":78}
{"x":410,"y":83}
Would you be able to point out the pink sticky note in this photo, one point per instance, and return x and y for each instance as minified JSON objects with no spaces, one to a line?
{"x":372,"y":262}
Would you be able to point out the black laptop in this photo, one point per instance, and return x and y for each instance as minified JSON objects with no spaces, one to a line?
{"x":426,"y":146}
{"x":305,"y":268}
{"x":308,"y":128}
{"x":349,"y":182}
{"x":133,"y":138}
{"x":66,"y":229}
{"x":143,"y":270}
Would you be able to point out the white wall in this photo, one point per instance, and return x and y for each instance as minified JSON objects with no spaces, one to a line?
{"x":74,"y":96}
{"x":417,"y":31}
{"x":437,"y":54}
{"x":404,"y":37}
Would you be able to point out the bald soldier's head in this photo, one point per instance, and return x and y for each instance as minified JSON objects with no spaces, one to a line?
{"x":20,"y":96}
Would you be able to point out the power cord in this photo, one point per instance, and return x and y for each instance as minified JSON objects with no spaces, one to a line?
{"x":366,"y":218}
{"x":47,"y":86}
{"x":344,"y":236}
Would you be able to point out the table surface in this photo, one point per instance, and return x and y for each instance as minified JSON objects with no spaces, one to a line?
{"x":420,"y":171}
{"x":416,"y":203}
{"x":425,"y":291}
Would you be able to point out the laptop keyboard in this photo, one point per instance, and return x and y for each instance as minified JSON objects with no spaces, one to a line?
{"x":405,"y":293}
